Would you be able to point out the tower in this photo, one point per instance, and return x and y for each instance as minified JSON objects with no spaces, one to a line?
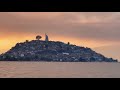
{"x":46,"y":37}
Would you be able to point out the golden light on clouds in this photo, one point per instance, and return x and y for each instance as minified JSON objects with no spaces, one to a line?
{"x":89,"y":29}
{"x":8,"y":42}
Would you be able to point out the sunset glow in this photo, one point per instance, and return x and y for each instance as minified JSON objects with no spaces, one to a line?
{"x":88,"y":29}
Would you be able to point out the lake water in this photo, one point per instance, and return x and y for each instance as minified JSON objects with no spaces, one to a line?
{"x":59,"y":70}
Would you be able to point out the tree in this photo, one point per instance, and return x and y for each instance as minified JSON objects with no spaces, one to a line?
{"x":68,"y":43}
{"x":27,"y":40}
{"x":38,"y":37}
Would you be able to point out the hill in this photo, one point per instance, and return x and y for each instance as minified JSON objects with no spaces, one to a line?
{"x":38,"y":50}
{"x":109,"y":51}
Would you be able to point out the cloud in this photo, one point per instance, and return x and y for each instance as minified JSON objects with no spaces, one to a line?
{"x":100,"y":26}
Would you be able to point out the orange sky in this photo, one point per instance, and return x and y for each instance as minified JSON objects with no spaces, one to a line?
{"x":7,"y":42}
{"x":89,"y":29}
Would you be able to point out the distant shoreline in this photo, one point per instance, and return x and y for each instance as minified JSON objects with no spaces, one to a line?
{"x":52,"y":51}
{"x":59,"y":62}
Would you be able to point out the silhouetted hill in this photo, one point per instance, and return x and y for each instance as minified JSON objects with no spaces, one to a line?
{"x":38,"y":50}
{"x":109,"y":51}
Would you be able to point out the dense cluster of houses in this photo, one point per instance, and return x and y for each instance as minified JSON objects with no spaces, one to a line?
{"x":52,"y":51}
{"x":39,"y":50}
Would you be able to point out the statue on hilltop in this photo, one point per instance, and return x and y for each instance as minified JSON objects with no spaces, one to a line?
{"x":46,"y":37}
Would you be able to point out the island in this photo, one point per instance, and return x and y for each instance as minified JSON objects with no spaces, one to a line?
{"x":52,"y":51}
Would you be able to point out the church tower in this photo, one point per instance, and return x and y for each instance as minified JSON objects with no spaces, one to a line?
{"x":46,"y":37}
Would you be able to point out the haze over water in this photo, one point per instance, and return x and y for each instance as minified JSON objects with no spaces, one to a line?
{"x":59,"y":70}
{"x":97,"y":30}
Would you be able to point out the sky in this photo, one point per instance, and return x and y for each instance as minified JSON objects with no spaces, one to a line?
{"x":88,"y":29}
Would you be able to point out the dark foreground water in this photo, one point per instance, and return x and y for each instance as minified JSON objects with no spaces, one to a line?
{"x":59,"y":70}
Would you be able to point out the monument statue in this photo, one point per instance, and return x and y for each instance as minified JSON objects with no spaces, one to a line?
{"x":46,"y":37}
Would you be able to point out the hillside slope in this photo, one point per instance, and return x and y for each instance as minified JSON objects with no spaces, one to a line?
{"x":109,"y":51}
{"x":38,"y":50}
